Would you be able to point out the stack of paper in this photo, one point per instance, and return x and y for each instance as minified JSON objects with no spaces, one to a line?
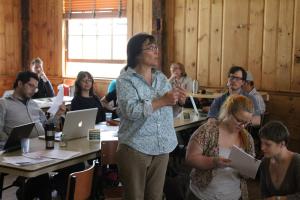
{"x":246,"y":164}
{"x":55,"y":154}
{"x":22,"y":160}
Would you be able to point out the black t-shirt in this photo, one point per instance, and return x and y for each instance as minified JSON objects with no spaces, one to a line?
{"x":80,"y":103}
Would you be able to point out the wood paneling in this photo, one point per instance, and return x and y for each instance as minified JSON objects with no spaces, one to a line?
{"x":295,"y":85}
{"x":46,"y":34}
{"x":263,"y":36}
{"x":260,"y":35}
{"x":10,"y":37}
{"x":191,"y":28}
{"x":139,"y":15}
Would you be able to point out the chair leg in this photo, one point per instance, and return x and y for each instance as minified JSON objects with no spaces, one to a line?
{"x":1,"y":183}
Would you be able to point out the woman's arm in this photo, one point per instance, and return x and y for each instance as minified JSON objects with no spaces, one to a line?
{"x":196,"y":159}
{"x":132,"y":107}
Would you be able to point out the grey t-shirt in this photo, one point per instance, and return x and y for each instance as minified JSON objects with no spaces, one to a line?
{"x":290,"y":186}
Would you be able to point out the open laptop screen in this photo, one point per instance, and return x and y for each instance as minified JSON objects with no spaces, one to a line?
{"x":13,"y":141}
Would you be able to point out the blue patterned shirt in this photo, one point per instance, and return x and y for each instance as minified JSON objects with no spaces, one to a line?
{"x":141,"y":128}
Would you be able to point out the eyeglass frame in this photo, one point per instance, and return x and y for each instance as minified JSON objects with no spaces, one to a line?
{"x":151,"y":48}
{"x":235,"y":78}
{"x":87,"y":81}
{"x":241,"y":122}
{"x":36,"y":89}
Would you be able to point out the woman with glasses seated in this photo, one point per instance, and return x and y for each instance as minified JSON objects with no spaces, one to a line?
{"x":280,"y":168}
{"x":179,"y":77}
{"x":85,"y":97}
{"x":208,"y":150}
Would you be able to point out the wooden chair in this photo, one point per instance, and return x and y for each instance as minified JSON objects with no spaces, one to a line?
{"x":108,"y":157}
{"x":80,"y":184}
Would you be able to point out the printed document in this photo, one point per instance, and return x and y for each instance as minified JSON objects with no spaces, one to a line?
{"x":246,"y":164}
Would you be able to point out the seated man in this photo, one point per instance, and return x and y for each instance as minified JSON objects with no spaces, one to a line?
{"x":251,"y":90}
{"x":236,"y":79}
{"x":45,"y":88}
{"x":17,"y":109}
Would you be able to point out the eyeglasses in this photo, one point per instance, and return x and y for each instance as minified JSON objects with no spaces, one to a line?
{"x":87,"y":81}
{"x":235,"y":78}
{"x":241,"y":122}
{"x":33,"y":87}
{"x":151,"y":48}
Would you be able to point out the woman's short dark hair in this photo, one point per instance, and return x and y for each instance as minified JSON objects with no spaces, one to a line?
{"x":81,"y":75}
{"x":135,"y":47}
{"x":275,"y":131}
{"x":234,"y":69}
{"x":24,"y":77}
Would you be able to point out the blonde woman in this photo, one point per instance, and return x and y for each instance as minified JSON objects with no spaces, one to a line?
{"x":179,"y":77}
{"x":208,"y":150}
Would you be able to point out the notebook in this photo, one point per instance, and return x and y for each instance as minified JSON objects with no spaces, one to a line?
{"x":13,"y":141}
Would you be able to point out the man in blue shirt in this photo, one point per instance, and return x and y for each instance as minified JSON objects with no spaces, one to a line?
{"x":236,"y":78}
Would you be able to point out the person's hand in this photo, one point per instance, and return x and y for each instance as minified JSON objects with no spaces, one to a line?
{"x":221,"y":162}
{"x":181,"y":95}
{"x":211,"y":120}
{"x":171,"y":98}
{"x":43,"y":76}
{"x":61,"y":110}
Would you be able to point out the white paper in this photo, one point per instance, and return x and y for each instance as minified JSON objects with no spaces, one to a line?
{"x":57,"y":101}
{"x":194,"y":105}
{"x":104,"y":128}
{"x":23,"y":160}
{"x":56,"y":154}
{"x":246,"y":164}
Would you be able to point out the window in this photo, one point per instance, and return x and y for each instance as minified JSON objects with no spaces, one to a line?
{"x":96,"y":40}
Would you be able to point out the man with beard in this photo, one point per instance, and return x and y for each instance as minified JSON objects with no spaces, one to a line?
{"x":236,"y":78}
{"x":18,"y":109}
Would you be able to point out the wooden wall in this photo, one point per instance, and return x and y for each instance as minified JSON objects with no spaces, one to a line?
{"x":263,"y":36}
{"x":10,"y":42}
{"x":46,"y":37}
{"x":209,"y":36}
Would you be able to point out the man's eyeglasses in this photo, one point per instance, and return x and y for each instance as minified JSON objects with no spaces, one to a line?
{"x":235,"y":78}
{"x":151,"y":48}
{"x":87,"y":81}
{"x":36,"y":89}
{"x":241,"y":122}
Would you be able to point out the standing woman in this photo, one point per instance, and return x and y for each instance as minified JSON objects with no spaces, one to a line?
{"x":179,"y":76}
{"x":212,"y":178}
{"x":280,"y":168}
{"x":85,"y":97}
{"x":146,"y":102}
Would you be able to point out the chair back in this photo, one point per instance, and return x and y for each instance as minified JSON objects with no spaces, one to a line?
{"x":108,"y":152}
{"x":80,"y":184}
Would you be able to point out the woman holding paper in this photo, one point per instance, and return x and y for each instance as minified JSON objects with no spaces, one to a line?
{"x":280,"y":168}
{"x":208,"y":150}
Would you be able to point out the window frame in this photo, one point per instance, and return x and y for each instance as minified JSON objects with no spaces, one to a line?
{"x":89,"y":15}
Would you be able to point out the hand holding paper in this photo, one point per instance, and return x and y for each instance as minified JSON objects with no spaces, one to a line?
{"x":58,"y":100}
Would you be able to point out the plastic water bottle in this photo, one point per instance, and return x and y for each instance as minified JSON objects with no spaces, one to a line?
{"x":195,"y":86}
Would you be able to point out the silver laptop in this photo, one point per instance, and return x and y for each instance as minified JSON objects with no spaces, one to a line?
{"x":78,"y":122}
